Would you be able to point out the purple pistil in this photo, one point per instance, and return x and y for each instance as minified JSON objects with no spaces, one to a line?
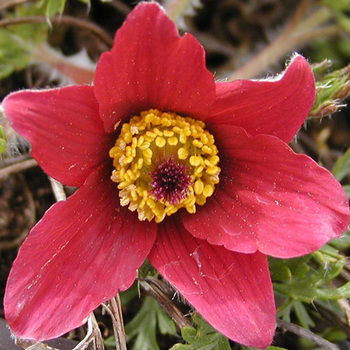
{"x":170,"y":182}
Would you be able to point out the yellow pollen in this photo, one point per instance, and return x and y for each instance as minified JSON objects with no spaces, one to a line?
{"x":155,"y":144}
{"x":198,"y":187}
{"x":195,"y":160}
{"x":160,"y":142}
{"x":172,"y":141}
{"x":182,"y":153}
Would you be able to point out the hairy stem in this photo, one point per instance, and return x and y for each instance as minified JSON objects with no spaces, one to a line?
{"x":114,"y":309}
{"x":156,"y":289}
{"x":93,"y":335}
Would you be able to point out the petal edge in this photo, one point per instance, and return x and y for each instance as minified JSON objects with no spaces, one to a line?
{"x":80,"y":254}
{"x":269,"y":199}
{"x":160,"y":70}
{"x":275,"y":107}
{"x":232,"y":291}
{"x":64,"y":129}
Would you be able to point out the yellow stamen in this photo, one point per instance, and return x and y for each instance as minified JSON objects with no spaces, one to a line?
{"x":160,"y":142}
{"x":198,"y":187}
{"x":149,"y":140}
{"x":172,"y":141}
{"x":182,"y":153}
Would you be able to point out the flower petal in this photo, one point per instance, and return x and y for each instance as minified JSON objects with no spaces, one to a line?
{"x":64,"y":129}
{"x":269,"y":199}
{"x":79,"y":255}
{"x":276,"y":107}
{"x":150,"y":66}
{"x":232,"y":291}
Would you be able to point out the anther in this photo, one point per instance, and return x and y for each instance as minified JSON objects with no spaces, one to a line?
{"x":164,"y":162}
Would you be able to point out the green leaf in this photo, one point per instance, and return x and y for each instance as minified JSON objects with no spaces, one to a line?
{"x":33,"y":32}
{"x":109,"y":342}
{"x":346,"y":189}
{"x":203,"y":337}
{"x":146,"y":270}
{"x":52,"y":7}
{"x":130,"y":294}
{"x":344,"y":290}
{"x":2,"y":140}
{"x":284,"y":311}
{"x":285,"y":270}
{"x":342,"y":242}
{"x":165,"y":324}
{"x":308,"y":282}
{"x":342,"y":166}
{"x":339,"y":4}
{"x":303,"y":316}
{"x":5,"y":69}
{"x":143,"y":327}
{"x":19,"y":41}
{"x":13,"y":56}
{"x":2,"y":133}
{"x":331,"y":89}
{"x":334,"y":335}
{"x":2,"y":146}
{"x":330,"y":305}
{"x":340,"y":9}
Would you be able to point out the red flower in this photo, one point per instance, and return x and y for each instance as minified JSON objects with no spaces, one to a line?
{"x":251,"y":194}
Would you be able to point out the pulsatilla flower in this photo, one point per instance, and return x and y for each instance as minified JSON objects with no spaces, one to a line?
{"x":194,"y":175}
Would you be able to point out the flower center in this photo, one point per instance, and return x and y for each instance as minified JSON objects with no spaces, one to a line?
{"x":170,"y":182}
{"x":164,"y":162}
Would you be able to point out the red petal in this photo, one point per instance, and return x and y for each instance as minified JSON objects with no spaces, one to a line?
{"x":232,"y":291}
{"x":274,"y":107}
{"x":269,"y":199}
{"x":150,"y":66}
{"x":64,"y":129}
{"x":79,"y":255}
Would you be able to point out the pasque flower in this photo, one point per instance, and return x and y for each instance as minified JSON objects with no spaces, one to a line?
{"x":194,"y":175}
